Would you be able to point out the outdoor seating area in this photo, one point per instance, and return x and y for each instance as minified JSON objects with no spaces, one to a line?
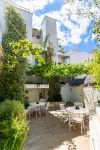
{"x":38,"y":108}
{"x":49,"y":75}
{"x":54,"y":132}
{"x":73,"y":115}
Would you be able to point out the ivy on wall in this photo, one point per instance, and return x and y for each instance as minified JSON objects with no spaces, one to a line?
{"x":15,"y":28}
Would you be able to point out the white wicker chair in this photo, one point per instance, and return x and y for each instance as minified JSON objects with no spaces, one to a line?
{"x":77,"y":118}
{"x":64,"y":112}
{"x":32,"y":109}
{"x":45,"y":108}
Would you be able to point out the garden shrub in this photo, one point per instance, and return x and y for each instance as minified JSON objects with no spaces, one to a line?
{"x":13,"y":125}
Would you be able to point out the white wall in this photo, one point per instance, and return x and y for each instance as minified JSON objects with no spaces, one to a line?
{"x":35,"y":40}
{"x":72,"y":94}
{"x":33,"y":94}
{"x":27,"y":16}
{"x":65,"y":92}
{"x":91,"y":95}
{"x":79,"y":57}
{"x":49,"y":27}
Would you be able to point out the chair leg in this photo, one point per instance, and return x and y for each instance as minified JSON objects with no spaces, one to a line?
{"x":69,"y":126}
{"x":47,"y":112}
{"x":81,"y":127}
{"x":40,"y":112}
{"x":36,"y":113}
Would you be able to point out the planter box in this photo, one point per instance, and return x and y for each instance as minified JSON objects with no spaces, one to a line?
{"x":53,"y":104}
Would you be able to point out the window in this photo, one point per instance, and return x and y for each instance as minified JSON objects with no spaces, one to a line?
{"x":38,"y":37}
{"x":36,"y":61}
{"x":92,"y":61}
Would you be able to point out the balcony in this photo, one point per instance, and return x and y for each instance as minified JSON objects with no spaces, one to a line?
{"x":35,"y":79}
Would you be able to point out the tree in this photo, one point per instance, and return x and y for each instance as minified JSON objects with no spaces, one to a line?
{"x":54,"y":73}
{"x":13,"y":73}
{"x":95,"y":67}
{"x":16,"y":29}
{"x":89,"y":10}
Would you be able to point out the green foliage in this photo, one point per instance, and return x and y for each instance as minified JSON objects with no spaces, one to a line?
{"x":13,"y":125}
{"x":96,"y":30}
{"x":13,"y":78}
{"x":50,"y":48}
{"x":53,"y":73}
{"x":16,"y":29}
{"x":48,"y":69}
{"x":13,"y":74}
{"x":62,"y":50}
{"x":54,"y":87}
{"x":26,"y":48}
{"x":95,"y":66}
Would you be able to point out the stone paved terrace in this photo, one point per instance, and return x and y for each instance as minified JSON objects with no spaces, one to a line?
{"x":49,"y":133}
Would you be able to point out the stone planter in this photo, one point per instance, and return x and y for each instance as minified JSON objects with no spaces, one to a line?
{"x":53,"y":104}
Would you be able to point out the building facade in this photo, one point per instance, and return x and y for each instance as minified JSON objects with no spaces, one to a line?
{"x":26,"y":15}
{"x":48,"y":27}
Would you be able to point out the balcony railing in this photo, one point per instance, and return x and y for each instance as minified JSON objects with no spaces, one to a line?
{"x":35,"y":79}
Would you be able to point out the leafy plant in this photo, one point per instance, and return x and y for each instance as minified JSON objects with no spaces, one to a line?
{"x":13,"y":125}
{"x":13,"y":74}
{"x":15,"y":28}
{"x":53,"y":73}
{"x":95,"y":66}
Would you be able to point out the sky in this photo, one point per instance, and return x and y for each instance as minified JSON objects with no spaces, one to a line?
{"x":71,"y":30}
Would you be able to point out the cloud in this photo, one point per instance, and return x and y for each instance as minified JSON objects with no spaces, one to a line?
{"x":37,"y":20}
{"x":86,"y":39}
{"x":93,"y":36}
{"x":75,"y":39}
{"x":33,"y":5}
{"x":75,"y":26}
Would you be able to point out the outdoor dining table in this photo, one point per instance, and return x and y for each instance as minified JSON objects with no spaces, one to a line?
{"x":40,"y":104}
{"x":80,"y":110}
{"x":36,"y":106}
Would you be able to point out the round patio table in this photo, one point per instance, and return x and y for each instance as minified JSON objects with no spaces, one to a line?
{"x":40,"y":104}
{"x":80,"y":110}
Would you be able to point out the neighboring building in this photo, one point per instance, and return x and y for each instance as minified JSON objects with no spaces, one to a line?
{"x":48,"y":27}
{"x":36,"y":85}
{"x":79,"y":57}
{"x":26,"y":15}
{"x":63,"y":58}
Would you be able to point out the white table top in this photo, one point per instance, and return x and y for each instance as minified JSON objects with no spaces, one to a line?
{"x":81,"y":110}
{"x":34,"y":104}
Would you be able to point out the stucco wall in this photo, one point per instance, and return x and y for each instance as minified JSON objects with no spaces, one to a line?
{"x":79,"y":57}
{"x":35,"y":40}
{"x":72,"y":94}
{"x":91,"y":95}
{"x":33,"y":94}
{"x":27,"y":16}
{"x":61,"y":59}
{"x":49,"y":27}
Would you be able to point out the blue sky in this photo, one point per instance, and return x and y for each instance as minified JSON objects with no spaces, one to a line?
{"x":72,"y":31}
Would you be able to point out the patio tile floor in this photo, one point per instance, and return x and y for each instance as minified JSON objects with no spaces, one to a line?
{"x":48,"y":133}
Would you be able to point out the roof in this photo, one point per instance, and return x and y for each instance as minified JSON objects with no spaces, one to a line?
{"x":83,"y":80}
{"x":17,"y":6}
{"x":78,"y":51}
{"x":79,"y":80}
{"x":47,"y":17}
{"x":62,"y":54}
